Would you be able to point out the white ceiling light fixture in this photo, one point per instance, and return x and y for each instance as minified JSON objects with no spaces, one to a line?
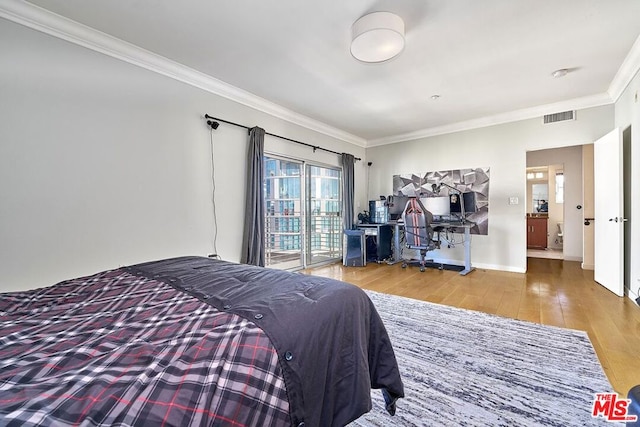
{"x":377,"y":37}
{"x":560,"y":73}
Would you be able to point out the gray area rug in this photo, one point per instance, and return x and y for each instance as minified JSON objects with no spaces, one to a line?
{"x":466,"y":368}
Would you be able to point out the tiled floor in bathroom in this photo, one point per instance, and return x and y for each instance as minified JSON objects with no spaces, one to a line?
{"x":545,"y":253}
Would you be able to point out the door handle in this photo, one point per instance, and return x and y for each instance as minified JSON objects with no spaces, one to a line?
{"x":620,"y":219}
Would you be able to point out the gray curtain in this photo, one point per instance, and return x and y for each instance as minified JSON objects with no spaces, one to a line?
{"x":348,"y":179}
{"x":253,"y":239}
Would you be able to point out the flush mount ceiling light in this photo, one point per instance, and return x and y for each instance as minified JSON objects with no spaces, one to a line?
{"x":560,"y":73}
{"x":377,"y":37}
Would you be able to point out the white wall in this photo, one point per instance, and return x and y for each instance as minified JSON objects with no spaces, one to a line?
{"x":502,"y":148}
{"x":588,"y":207}
{"x":627,"y":113}
{"x":105,"y":164}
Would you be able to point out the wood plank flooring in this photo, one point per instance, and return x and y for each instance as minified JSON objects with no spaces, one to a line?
{"x":552,"y":292}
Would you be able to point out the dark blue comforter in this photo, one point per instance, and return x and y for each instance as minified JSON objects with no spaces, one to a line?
{"x":332,"y":345}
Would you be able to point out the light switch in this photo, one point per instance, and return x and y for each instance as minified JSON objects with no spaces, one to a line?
{"x":513,"y":200}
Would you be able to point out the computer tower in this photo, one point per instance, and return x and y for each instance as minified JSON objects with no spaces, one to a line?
{"x":353,"y":249}
{"x":383,"y":251}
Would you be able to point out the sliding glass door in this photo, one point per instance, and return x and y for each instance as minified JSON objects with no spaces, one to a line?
{"x":283,"y":213}
{"x":324,"y":219}
{"x":303,"y":213}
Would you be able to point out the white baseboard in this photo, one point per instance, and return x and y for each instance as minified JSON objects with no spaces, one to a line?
{"x":588,"y":266}
{"x":632,"y":295}
{"x":572,"y":258}
{"x":509,"y":268}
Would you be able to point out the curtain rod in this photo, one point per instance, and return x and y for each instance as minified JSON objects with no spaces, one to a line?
{"x":315,"y":147}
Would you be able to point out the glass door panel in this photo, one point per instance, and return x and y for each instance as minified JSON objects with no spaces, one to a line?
{"x":284,"y":231}
{"x":324,"y":214}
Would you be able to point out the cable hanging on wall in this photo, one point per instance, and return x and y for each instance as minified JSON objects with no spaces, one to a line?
{"x":214,"y":122}
{"x":213,"y":125}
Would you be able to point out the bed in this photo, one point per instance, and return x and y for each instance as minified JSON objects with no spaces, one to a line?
{"x":193,"y":341}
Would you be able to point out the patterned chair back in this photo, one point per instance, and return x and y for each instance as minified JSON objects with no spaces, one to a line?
{"x":417,"y":225}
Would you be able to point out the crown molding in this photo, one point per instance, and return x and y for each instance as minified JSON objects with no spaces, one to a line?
{"x":40,"y":19}
{"x":498,"y":119}
{"x":626,"y":72}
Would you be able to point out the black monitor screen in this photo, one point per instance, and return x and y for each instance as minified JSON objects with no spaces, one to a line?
{"x":455,"y":207}
{"x":469,"y":200}
{"x":396,"y":205}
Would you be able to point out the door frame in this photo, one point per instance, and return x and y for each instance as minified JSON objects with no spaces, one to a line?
{"x":305,"y":204}
{"x":556,"y":212}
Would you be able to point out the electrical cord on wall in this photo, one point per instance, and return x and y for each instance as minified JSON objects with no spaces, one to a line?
{"x":368,"y":179}
{"x":213,"y":200}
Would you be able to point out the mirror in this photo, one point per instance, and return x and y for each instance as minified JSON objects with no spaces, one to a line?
{"x":540,"y":194}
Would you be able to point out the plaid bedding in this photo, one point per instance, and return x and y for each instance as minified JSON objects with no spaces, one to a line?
{"x":119,"y":349}
{"x":332,"y":345}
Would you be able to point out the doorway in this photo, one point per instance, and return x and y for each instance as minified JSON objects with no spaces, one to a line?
{"x":303,"y":213}
{"x":545,"y":211}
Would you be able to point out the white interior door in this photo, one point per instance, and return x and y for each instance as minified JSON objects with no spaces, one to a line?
{"x":609,"y":210}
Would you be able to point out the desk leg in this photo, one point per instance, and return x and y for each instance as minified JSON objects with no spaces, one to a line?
{"x":467,"y":253}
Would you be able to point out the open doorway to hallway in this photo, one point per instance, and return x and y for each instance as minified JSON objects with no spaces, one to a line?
{"x":545,"y":211}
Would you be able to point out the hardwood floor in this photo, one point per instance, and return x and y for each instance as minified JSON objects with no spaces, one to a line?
{"x":552,"y":292}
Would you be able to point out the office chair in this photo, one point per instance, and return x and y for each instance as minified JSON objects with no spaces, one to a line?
{"x":418,"y":231}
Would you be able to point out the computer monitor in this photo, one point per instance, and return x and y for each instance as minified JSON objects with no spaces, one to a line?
{"x":438,"y":206}
{"x":455,"y":206}
{"x":396,"y":206}
{"x":378,"y":212}
{"x":469,"y":201}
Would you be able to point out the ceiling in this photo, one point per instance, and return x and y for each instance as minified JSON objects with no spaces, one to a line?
{"x":485,"y":59}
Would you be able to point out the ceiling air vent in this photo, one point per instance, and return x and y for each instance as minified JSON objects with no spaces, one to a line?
{"x":559,"y":117}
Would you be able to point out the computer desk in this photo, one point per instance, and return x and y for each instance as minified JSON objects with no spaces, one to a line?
{"x":382,"y":234}
{"x":450,"y":226}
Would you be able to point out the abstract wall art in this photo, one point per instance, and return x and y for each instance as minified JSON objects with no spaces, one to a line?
{"x":452,"y":183}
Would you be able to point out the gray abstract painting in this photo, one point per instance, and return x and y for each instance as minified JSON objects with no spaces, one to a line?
{"x":467,"y":187}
